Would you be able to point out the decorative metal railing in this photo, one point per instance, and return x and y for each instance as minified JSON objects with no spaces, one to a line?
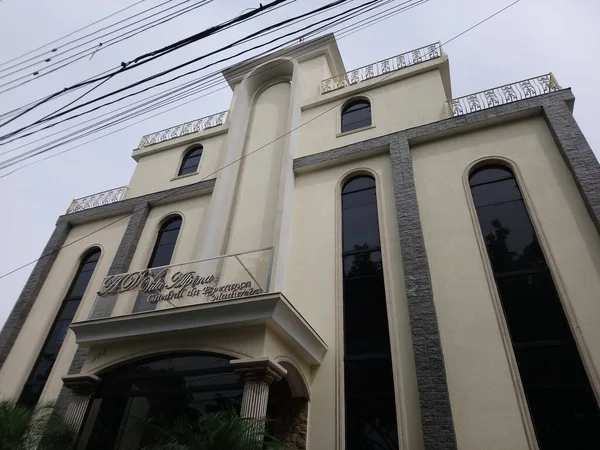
{"x":99,"y":199}
{"x":185,"y":128}
{"x":504,"y":94}
{"x":398,"y":62}
{"x":226,"y":277}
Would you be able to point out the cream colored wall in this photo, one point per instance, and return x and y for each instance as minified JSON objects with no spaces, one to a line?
{"x":255,"y":210}
{"x":312,"y":72}
{"x":26,"y":349}
{"x":158,"y":171}
{"x":483,"y":397}
{"x":247,"y":342}
{"x":397,"y":106}
{"x":314,"y":288}
{"x":192,"y":211}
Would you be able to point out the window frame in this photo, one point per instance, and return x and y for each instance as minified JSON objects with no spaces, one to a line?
{"x":511,"y":166}
{"x":157,"y":234}
{"x":389,"y":307}
{"x":65,"y":300}
{"x":184,"y":157}
{"x":347,"y":104}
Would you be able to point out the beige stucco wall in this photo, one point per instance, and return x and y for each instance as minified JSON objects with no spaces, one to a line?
{"x":312,"y":72}
{"x":314,"y":288}
{"x":404,"y":104}
{"x":253,"y":222}
{"x":24,"y":353}
{"x":159,"y":164}
{"x":483,"y":396}
{"x":192,"y":211}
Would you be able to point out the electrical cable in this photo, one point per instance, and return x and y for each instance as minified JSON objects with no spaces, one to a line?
{"x":189,"y":92}
{"x":384,"y":77}
{"x":127,"y":66}
{"x":94,"y":49}
{"x":71,"y":33}
{"x":8,"y":135}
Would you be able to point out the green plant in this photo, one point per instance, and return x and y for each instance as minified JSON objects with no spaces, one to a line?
{"x":41,"y":428}
{"x":223,"y":430}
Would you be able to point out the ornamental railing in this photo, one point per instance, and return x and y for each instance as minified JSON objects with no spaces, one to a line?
{"x":378,"y":68}
{"x":99,"y":199}
{"x":502,"y":95}
{"x":226,"y":277}
{"x":203,"y":123}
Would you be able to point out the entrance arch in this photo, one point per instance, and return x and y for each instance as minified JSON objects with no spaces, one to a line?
{"x":159,"y":387}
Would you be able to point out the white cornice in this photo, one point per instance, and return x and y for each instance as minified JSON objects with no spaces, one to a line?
{"x":272,"y":309}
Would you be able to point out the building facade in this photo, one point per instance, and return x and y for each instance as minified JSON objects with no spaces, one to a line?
{"x":357,"y":255}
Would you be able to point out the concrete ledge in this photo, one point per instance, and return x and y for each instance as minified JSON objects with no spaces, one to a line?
{"x":273,"y":310}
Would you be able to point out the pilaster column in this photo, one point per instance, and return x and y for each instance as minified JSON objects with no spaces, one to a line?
{"x":258,"y":374}
{"x":80,"y":389}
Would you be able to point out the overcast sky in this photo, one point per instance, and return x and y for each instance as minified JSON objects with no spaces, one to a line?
{"x":531,"y":38}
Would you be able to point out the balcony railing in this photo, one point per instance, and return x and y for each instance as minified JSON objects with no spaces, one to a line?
{"x":502,"y":95}
{"x":99,"y":199}
{"x":203,"y":123}
{"x":226,"y":277}
{"x":382,"y":67}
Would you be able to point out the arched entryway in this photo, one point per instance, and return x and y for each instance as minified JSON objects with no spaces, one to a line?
{"x":287,"y":409}
{"x":166,"y":386}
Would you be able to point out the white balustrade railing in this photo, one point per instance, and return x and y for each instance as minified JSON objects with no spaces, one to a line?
{"x":398,"y":62}
{"x":99,"y":199}
{"x":501,"y":95}
{"x":203,"y":123}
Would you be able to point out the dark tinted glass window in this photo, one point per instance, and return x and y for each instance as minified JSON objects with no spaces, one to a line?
{"x":356,"y":115}
{"x":369,"y":386}
{"x":45,"y":361}
{"x":190,"y":161}
{"x":563,"y":408}
{"x":165,"y":243}
{"x":157,"y":390}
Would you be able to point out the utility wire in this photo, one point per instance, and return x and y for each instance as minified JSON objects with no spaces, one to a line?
{"x":160,"y":74}
{"x":17,"y":110}
{"x":384,"y":77}
{"x":71,"y":33}
{"x":98,"y":46}
{"x":137,"y":62}
{"x":204,"y":87}
{"x":164,"y":82}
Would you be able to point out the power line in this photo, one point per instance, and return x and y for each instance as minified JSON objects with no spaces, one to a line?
{"x":157,"y":54}
{"x":71,"y":33}
{"x":98,"y":46}
{"x":384,"y":77}
{"x":350,"y":11}
{"x":364,"y":23}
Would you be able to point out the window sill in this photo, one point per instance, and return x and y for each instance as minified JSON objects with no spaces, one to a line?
{"x":178,"y":177}
{"x":357,"y":130}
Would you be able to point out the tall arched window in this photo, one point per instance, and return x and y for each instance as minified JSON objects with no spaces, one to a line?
{"x":561,"y":402}
{"x":45,"y":361}
{"x":356,"y":114}
{"x":368,"y":378}
{"x":191,"y":160}
{"x":165,"y":243}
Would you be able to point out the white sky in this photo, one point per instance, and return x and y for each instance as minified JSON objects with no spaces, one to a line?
{"x":533,"y":37}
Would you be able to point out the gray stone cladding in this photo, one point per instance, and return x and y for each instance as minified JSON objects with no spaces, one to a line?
{"x":555,"y":107}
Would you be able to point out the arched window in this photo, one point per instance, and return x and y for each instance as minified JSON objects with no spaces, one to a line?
{"x":45,"y":361}
{"x":561,"y":402}
{"x":356,"y":114}
{"x":165,"y":243}
{"x":368,"y":378}
{"x":190,"y":161}
{"x":154,"y":391}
